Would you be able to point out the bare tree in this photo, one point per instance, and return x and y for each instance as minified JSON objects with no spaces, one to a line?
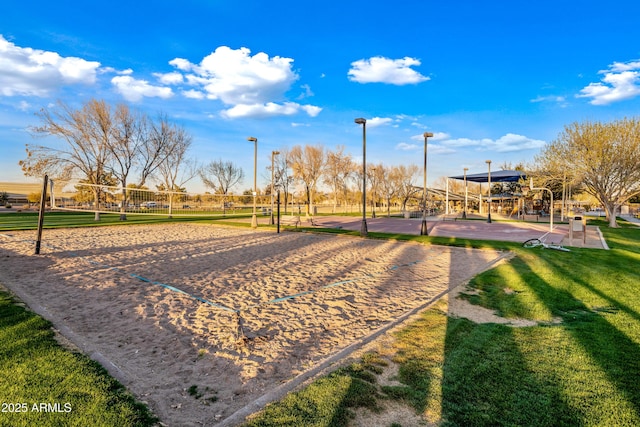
{"x":177,"y":169}
{"x":283,"y":178}
{"x":336,"y":174}
{"x":605,"y":157}
{"x":86,"y":133}
{"x":405,"y":177}
{"x":221,"y":176}
{"x":388,"y":186}
{"x":129,"y":134}
{"x":307,"y":164}
{"x":375,"y":176}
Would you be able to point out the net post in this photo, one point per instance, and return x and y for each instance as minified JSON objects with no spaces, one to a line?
{"x":43,"y":200}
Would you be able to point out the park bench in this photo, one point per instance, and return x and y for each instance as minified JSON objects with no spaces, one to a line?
{"x":450,"y":216}
{"x":290,"y":220}
{"x":530,"y":217}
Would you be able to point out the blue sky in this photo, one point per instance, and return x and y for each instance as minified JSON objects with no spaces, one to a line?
{"x":492,"y":80}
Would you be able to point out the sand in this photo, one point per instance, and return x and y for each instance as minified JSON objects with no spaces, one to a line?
{"x":241,"y":315}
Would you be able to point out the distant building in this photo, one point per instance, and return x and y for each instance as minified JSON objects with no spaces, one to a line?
{"x":17,"y":192}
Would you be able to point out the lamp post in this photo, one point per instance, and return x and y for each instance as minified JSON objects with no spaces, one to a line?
{"x":464,"y":212}
{"x":423,"y":228}
{"x":363,"y":228}
{"x":254,"y":219}
{"x":273,"y":154}
{"x":488,"y":162}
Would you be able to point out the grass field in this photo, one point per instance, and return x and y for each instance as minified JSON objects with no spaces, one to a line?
{"x":44,"y":384}
{"x":579,"y":366}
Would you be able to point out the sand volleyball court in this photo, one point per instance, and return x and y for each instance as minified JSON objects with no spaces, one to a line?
{"x":234,"y":312}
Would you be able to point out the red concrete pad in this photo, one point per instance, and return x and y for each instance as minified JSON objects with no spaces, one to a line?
{"x":503,"y":231}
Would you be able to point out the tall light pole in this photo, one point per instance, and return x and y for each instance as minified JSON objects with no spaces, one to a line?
{"x":464,"y":212}
{"x":254,"y":219}
{"x":423,"y":228}
{"x":273,"y":153}
{"x":488,"y":162}
{"x":363,"y":228}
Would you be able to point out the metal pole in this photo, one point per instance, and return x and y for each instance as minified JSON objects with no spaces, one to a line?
{"x":464,"y":212}
{"x":273,"y":153}
{"x":278,"y":211}
{"x":254,"y":219}
{"x":424,"y":231}
{"x":489,"y":195}
{"x":43,"y":200}
{"x":446,"y":205}
{"x":363,"y":228}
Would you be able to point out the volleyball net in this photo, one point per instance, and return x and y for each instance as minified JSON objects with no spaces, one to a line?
{"x":81,"y":197}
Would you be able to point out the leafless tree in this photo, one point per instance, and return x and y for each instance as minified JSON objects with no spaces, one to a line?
{"x":177,"y":169}
{"x":405,"y":177}
{"x":86,"y":133}
{"x":307,"y":164}
{"x":221,"y":176}
{"x":338,"y":169}
{"x":283,"y":176}
{"x":388,"y":186}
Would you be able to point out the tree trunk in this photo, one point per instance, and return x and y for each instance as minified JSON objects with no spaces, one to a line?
{"x":96,"y":198}
{"x":123,"y":204}
{"x":611,"y":209}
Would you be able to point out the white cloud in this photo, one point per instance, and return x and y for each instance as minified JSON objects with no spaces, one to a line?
{"x":134,"y":90}
{"x":269,"y":109}
{"x":442,"y":143}
{"x":307,"y":92}
{"x":560,"y":100}
{"x":311,"y":110}
{"x":378,"y":121}
{"x":514,"y":142}
{"x":193,"y":94}
{"x":252,"y":85}
{"x":507,"y":143}
{"x":33,"y":72}
{"x":437,"y":136}
{"x":408,"y":147}
{"x":384,"y":70}
{"x":622,"y":66}
{"x":620,"y":82}
{"x":173,"y":78}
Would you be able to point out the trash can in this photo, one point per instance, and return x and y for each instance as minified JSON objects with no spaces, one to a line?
{"x":578,"y":223}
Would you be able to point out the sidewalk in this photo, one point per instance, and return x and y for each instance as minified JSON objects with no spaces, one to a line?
{"x":507,"y":231}
{"x":516,"y":231}
{"x":631,"y":219}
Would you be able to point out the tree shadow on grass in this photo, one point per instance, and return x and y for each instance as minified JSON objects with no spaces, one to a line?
{"x":589,"y":360}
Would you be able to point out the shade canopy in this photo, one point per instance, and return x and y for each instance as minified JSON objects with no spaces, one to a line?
{"x":497,"y":176}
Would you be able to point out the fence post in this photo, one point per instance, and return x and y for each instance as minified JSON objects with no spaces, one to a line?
{"x":43,"y":201}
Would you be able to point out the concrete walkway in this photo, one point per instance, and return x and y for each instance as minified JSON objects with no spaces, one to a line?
{"x":516,"y":231}
{"x":479,"y":229}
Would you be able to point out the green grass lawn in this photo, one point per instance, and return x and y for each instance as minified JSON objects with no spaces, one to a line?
{"x":579,"y":366}
{"x":44,"y":384}
{"x":61,"y":219}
